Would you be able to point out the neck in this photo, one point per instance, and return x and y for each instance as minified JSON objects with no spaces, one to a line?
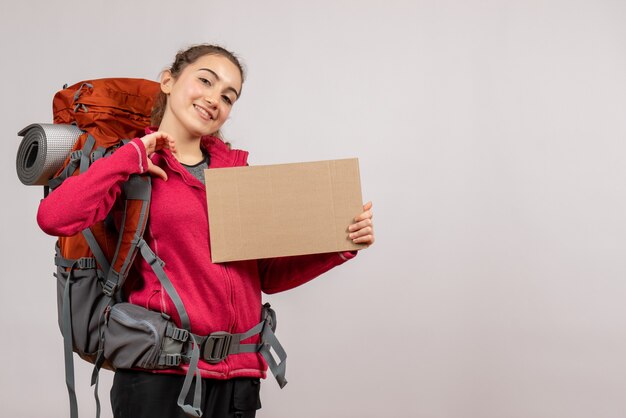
{"x":187,"y":147}
{"x":189,"y":153}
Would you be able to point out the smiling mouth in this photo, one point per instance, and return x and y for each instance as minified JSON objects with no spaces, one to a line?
{"x":203,"y":112}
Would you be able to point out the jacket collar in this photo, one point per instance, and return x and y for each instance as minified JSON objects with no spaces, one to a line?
{"x":221,"y":154}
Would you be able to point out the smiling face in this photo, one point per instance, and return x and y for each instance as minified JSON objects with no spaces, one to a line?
{"x":201,"y":97}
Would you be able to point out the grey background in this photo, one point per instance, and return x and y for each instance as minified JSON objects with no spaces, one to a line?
{"x":491,"y":140}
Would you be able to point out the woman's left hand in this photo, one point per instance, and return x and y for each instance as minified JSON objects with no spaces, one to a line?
{"x":362,"y":230}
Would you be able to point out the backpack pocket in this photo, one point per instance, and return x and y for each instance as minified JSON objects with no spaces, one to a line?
{"x":87,"y":304}
{"x":136,"y":336}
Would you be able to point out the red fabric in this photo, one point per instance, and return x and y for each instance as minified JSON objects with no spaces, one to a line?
{"x":218,"y":297}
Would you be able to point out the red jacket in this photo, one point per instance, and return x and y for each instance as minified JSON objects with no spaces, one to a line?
{"x":217,"y":297}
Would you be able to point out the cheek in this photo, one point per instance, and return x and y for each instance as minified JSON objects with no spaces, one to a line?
{"x":225,"y":112}
{"x":193,"y":92}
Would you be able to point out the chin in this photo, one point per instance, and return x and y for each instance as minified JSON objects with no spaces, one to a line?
{"x":201,"y":132}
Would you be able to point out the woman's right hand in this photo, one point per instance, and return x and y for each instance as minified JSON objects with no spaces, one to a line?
{"x":154,"y":142}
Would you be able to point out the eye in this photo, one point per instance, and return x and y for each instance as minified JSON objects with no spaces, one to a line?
{"x":205,"y":81}
{"x":227,"y":100}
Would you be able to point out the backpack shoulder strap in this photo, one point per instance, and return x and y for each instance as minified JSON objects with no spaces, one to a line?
{"x":137,"y":192}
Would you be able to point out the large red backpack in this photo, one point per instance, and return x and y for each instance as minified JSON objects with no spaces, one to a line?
{"x":107,"y":110}
{"x":93,"y":264}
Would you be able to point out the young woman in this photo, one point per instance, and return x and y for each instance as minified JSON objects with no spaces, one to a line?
{"x":197,"y":94}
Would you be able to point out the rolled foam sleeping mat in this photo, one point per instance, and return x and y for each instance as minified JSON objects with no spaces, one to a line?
{"x":43,"y":150}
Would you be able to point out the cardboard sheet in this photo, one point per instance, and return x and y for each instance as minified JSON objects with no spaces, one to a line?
{"x":281,"y":210}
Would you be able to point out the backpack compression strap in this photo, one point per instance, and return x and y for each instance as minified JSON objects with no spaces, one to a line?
{"x":78,"y":159}
{"x":67,"y":341}
{"x":157,"y":266}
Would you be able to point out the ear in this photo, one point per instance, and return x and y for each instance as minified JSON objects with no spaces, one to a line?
{"x":167,"y":81}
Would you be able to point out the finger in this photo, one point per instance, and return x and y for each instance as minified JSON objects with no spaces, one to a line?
{"x":149,"y":143}
{"x":171,"y":144}
{"x":367,"y":240}
{"x":361,"y":224}
{"x":165,"y":137}
{"x":163,"y":140}
{"x":367,"y":206}
{"x":368,"y":230}
{"x":157,"y":171}
{"x":365,"y":215}
{"x":368,"y":214}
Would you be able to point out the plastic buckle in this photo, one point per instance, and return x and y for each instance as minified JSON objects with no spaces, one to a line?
{"x":109,"y":287}
{"x":172,"y":360}
{"x":86,"y":263}
{"x":76,"y":155}
{"x":180,"y":334}
{"x":216,"y":347}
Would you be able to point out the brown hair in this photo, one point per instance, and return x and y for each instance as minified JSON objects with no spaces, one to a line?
{"x":182,"y":60}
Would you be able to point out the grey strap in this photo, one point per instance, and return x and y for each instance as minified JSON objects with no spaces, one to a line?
{"x":219,"y":345}
{"x":97,"y":154}
{"x":278,"y":369}
{"x":80,"y":89}
{"x":82,"y":263}
{"x":67,"y":347}
{"x":253,"y":331}
{"x":95,"y":394}
{"x":136,"y":188}
{"x":95,"y":374}
{"x":82,"y":157}
{"x":69,"y":169}
{"x":85,"y":159}
{"x":157,"y":266}
{"x":96,"y":250}
{"x":192,"y":410}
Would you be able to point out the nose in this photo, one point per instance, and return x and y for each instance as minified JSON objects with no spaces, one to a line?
{"x":211,"y":100}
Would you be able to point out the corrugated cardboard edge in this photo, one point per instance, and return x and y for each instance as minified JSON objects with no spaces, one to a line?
{"x":342,"y":242}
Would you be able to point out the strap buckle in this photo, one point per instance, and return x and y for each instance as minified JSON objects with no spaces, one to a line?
{"x":216,"y":347}
{"x":177,"y":334}
{"x":86,"y":263}
{"x":170,"y":360}
{"x":76,"y":155}
{"x":109,"y":287}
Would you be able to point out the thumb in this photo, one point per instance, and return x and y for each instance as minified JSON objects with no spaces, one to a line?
{"x":156,"y":171}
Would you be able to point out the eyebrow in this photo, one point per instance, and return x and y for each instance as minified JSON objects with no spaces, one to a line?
{"x":218,"y":79}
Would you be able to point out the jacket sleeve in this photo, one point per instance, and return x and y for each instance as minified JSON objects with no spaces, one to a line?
{"x":87,"y":198}
{"x":284,"y":273}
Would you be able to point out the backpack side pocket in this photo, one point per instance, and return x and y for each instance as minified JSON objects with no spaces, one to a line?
{"x":87,"y":306}
{"x":135,"y":337}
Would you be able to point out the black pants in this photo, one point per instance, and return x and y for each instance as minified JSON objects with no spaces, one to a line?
{"x":138,"y":394}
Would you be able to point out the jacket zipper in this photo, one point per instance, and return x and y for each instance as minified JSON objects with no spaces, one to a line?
{"x":173,"y":167}
{"x":231,"y":327}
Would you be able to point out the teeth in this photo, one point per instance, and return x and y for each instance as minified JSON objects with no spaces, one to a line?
{"x":203,"y":112}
